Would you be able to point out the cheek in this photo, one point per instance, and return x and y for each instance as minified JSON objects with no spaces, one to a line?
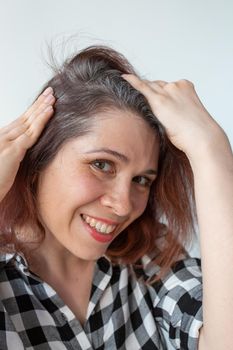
{"x":85,"y":188}
{"x":140,"y":203}
{"x":58,"y":201}
{"x":68,"y":193}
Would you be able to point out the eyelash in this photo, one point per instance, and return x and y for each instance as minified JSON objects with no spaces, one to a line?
{"x":102,"y":161}
{"x":147,"y":183}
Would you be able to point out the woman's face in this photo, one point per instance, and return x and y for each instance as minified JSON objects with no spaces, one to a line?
{"x":98,"y":184}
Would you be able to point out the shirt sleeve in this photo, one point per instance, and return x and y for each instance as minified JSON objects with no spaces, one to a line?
{"x":177,"y":303}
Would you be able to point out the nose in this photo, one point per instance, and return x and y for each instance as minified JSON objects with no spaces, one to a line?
{"x":119,"y":200}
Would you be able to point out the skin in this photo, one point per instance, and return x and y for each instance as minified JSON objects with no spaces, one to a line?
{"x":191,"y":128}
{"x":83,"y":180}
{"x":20,"y":135}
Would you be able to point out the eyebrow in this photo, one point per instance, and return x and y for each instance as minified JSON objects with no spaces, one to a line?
{"x":119,"y":156}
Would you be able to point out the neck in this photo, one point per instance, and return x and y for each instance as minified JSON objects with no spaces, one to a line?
{"x":51,"y":259}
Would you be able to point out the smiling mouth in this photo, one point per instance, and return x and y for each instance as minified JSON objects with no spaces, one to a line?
{"x":98,"y":225}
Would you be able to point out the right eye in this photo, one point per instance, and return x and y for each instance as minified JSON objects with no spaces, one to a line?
{"x":103,"y":165}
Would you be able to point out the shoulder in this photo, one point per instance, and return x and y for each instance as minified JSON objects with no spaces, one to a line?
{"x":186,"y":274}
{"x":177,"y":302}
{"x":7,"y":268}
{"x":11,"y":266}
{"x":184,"y":269}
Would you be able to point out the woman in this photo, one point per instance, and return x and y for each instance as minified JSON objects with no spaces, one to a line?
{"x":96,"y":203}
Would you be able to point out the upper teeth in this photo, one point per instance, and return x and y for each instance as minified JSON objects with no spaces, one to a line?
{"x":98,"y":225}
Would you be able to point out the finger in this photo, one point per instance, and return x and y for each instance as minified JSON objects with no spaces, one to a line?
{"x":47,"y":99}
{"x":16,"y":127}
{"x":161,"y":83}
{"x":30,"y":118}
{"x":38,"y":110}
{"x":141,"y":85}
{"x":38,"y":107}
{"x":157,"y":86}
{"x":30,"y":129}
{"x":22,"y":124}
{"x":16,"y":131}
{"x":146,"y":87}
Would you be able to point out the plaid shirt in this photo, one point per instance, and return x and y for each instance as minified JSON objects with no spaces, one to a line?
{"x":123,"y":312}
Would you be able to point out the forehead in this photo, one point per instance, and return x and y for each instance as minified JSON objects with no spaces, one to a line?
{"x":124,"y":124}
{"x":123,"y":132}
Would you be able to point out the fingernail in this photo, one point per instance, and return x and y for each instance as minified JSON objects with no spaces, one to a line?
{"x":125,"y":76}
{"x":49,"y":98}
{"x":47,"y":91}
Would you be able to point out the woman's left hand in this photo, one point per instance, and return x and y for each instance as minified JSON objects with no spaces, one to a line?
{"x":188,"y":124}
{"x":191,"y":129}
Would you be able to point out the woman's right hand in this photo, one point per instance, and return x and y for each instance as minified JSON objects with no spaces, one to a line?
{"x":17,"y":137}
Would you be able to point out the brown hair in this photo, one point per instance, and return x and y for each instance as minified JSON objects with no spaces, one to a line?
{"x":86,"y":84}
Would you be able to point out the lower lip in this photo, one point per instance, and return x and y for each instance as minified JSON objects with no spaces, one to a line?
{"x":98,"y":236}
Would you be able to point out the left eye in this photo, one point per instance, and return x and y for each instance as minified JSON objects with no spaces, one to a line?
{"x":103,"y":165}
{"x":143,"y":181}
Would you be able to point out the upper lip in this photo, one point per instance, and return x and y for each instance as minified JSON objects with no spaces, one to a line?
{"x":106,"y":221}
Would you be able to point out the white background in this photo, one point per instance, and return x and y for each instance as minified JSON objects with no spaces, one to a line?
{"x":166,"y":39}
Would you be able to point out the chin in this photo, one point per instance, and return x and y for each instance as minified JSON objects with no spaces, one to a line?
{"x":89,"y":255}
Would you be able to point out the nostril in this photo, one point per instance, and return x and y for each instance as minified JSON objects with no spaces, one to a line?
{"x":119,"y":206}
{"x":122,"y":207}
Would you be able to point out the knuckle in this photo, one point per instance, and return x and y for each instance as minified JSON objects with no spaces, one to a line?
{"x":160,"y":83}
{"x":25,"y":125}
{"x":170,"y":86}
{"x":142,"y":84}
{"x":23,"y":119}
{"x":186,"y":82}
{"x":161,"y":99}
{"x":28,"y":132}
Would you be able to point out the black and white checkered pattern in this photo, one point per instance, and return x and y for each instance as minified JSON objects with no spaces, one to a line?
{"x":123,"y":312}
